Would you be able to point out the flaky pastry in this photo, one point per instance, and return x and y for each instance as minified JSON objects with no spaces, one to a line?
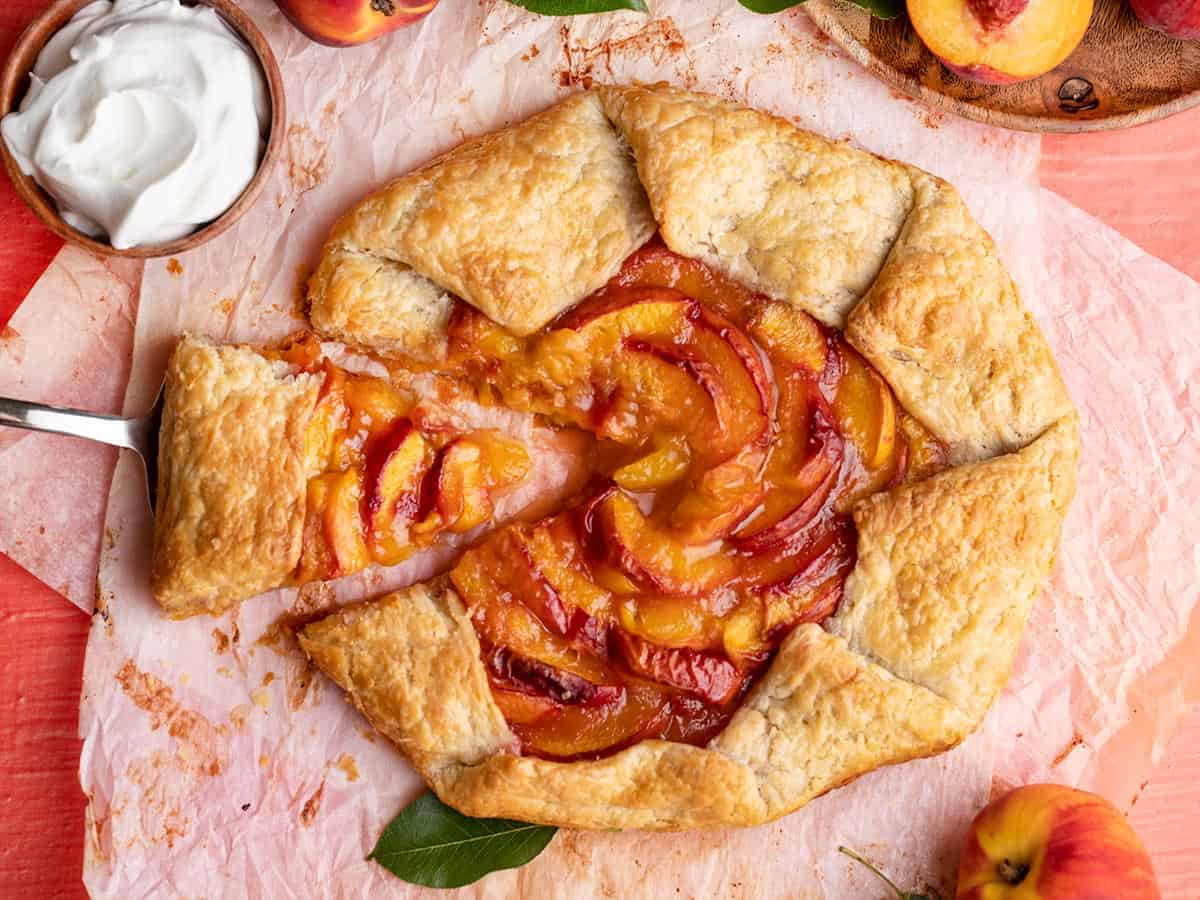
{"x":906,"y":633}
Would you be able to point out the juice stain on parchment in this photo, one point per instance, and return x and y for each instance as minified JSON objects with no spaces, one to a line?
{"x":201,"y":744}
{"x":660,"y":41}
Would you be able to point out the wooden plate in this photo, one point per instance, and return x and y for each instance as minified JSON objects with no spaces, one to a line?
{"x":1122,"y":74}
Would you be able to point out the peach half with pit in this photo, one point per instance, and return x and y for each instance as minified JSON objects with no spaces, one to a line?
{"x":1000,"y":41}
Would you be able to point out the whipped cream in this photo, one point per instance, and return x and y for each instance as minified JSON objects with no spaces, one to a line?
{"x":144,"y":119}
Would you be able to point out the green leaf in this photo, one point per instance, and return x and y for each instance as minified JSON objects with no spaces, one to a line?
{"x":881,"y":9}
{"x":579,"y":7}
{"x":431,"y":844}
{"x":767,"y":7}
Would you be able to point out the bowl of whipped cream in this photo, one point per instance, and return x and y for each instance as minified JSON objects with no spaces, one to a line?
{"x":140,"y":127}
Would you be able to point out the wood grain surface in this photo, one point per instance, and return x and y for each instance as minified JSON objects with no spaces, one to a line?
{"x":41,"y":805}
{"x":1122,"y":74}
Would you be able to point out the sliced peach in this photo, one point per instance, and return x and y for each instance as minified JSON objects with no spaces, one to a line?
{"x":670,"y":621}
{"x":787,"y":610}
{"x":866,"y":410}
{"x":555,"y":551}
{"x":613,"y":315}
{"x":655,"y":266}
{"x":454,"y":495}
{"x":520,"y":708}
{"x":395,"y":467}
{"x":662,"y":466}
{"x":613,"y":580}
{"x":1000,"y":41}
{"x":721,"y":499}
{"x":791,"y":335}
{"x":804,"y":516}
{"x":804,"y":568}
{"x":654,"y":557}
{"x":744,"y":635}
{"x":510,"y":669}
{"x":339,"y":495}
{"x":506,"y":460}
{"x":472,"y":333}
{"x":326,"y":430}
{"x":640,"y":712}
{"x":374,"y":405}
{"x":711,"y":677}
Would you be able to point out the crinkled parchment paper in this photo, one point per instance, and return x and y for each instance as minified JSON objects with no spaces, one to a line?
{"x":217,"y":764}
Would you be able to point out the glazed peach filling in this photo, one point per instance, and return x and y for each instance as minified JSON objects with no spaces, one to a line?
{"x":733,"y":435}
{"x":382,"y":483}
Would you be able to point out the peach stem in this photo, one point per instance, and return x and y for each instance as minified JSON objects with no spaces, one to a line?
{"x":854,"y":856}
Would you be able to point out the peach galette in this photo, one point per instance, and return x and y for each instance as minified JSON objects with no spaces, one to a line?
{"x":830,"y":454}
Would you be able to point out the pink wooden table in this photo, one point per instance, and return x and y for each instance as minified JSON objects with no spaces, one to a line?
{"x":1144,"y":182}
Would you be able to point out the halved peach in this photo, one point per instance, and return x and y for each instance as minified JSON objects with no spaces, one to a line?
{"x":1000,"y":41}
{"x":652,"y":556}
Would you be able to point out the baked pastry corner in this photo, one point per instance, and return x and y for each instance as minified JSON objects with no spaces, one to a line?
{"x":521,"y":223}
{"x":231,"y":476}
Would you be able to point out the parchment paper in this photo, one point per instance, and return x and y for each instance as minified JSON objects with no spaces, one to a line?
{"x":217,"y":765}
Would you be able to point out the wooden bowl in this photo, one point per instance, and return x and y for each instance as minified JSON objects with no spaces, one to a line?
{"x":1121,"y":74}
{"x":14,"y":81}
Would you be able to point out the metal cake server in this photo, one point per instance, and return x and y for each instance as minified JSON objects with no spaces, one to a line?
{"x":139,"y":435}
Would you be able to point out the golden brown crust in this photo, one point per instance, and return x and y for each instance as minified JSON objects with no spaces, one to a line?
{"x":944,"y":324}
{"x":410,"y":662}
{"x":948,"y":568}
{"x":522,"y":223}
{"x":231,"y":477}
{"x":358,"y":298}
{"x":821,"y":716}
{"x":781,"y":210}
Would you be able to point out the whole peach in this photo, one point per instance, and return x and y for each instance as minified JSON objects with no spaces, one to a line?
{"x":1049,"y":842}
{"x":343,"y":23}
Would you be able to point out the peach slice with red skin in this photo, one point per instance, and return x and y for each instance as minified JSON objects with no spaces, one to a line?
{"x":707,"y":675}
{"x":652,"y":556}
{"x":520,"y":708}
{"x":333,"y":543}
{"x":455,"y":495}
{"x":1000,"y":41}
{"x":830,"y":555}
{"x":395,"y":467}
